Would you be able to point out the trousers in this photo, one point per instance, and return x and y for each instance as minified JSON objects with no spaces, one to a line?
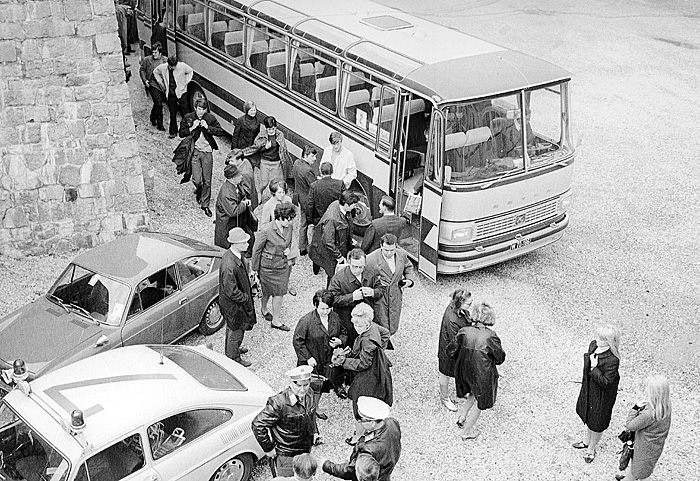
{"x":232,"y":346}
{"x":202,"y":164}
{"x":175,"y":104}
{"x":157,"y":110}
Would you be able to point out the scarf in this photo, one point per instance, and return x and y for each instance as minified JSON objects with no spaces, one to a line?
{"x":602,"y":347}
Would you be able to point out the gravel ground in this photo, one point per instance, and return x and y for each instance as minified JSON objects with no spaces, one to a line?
{"x":629,"y":257}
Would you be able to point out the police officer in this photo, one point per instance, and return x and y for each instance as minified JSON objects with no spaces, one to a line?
{"x":287,"y":424}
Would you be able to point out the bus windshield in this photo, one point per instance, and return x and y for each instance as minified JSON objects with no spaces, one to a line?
{"x":484,"y":138}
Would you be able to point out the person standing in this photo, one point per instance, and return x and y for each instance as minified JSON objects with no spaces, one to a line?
{"x":598,"y":392}
{"x":332,"y":237}
{"x":247,"y":191}
{"x":396,"y":273}
{"x":173,"y":78}
{"x":456,"y":317}
{"x":235,"y":295}
{"x":231,"y":207}
{"x":159,"y":34}
{"x":303,"y":178}
{"x":148,"y":65}
{"x":650,"y":420}
{"x":381,"y":440}
{"x":275,"y":161}
{"x":122,"y":12}
{"x":343,"y":160}
{"x":245,"y":129}
{"x":322,"y":193}
{"x":286,"y":427}
{"x":315,"y":337}
{"x":202,"y":127}
{"x":304,"y":465}
{"x":478,"y":351}
{"x":388,"y":223}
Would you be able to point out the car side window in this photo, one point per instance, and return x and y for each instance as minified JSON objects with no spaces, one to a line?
{"x":153,"y":289}
{"x":114,"y":463}
{"x":175,"y":431}
{"x":193,"y":267}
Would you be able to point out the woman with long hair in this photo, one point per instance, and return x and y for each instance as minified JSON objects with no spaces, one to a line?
{"x":455,"y":318}
{"x":598,"y":387}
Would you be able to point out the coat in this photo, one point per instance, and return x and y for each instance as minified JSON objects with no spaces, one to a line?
{"x":386,"y":224}
{"x":322,"y":193}
{"x":452,"y":321}
{"x":598,"y":390}
{"x":235,"y":294}
{"x":183,"y":158}
{"x":311,"y":340}
{"x":371,"y":366}
{"x":332,"y":239}
{"x":387,"y":310}
{"x":304,"y":176}
{"x":213,"y":128}
{"x":259,"y":144}
{"x":230,"y":213}
{"x":245,"y":130}
{"x":182,"y":73}
{"x":478,"y":350}
{"x":248,"y":184}
{"x":649,"y":440}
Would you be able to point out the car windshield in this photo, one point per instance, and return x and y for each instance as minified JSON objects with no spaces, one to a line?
{"x":91,"y":294}
{"x":484,"y":139}
{"x":24,"y":454}
{"x":203,"y":370}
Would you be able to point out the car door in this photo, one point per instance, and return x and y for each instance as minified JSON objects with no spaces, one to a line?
{"x":198,"y":284}
{"x":123,"y":460}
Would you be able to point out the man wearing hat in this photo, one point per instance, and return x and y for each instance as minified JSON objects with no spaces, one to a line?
{"x":381,"y":440}
{"x":231,"y":206}
{"x":286,"y":426}
{"x":235,"y":295}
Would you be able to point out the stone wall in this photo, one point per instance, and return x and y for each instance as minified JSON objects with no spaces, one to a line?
{"x":70,"y":171}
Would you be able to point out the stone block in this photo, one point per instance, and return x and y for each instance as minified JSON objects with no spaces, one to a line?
{"x":117,"y":93}
{"x":80,"y":47}
{"x":105,"y":236}
{"x":100,"y":76}
{"x":37,"y":113}
{"x":125,"y":110}
{"x":100,"y":172}
{"x":10,"y":72}
{"x":38,"y":10}
{"x":76,"y":156}
{"x":21,"y":234}
{"x":90,"y":92}
{"x":54,"y":47}
{"x":12,"y":115}
{"x":107,"y":42}
{"x":14,"y":218}
{"x":102,"y":109}
{"x":83,"y":110}
{"x":57,"y":131}
{"x":77,"y":10}
{"x":69,"y":175}
{"x":9,"y":136}
{"x":20,"y":97}
{"x":48,"y":174}
{"x":76,"y":128}
{"x":11,"y":30}
{"x":112,"y":62}
{"x":98,"y":141}
{"x":31,"y":50}
{"x":134,"y":184}
{"x":75,"y":80}
{"x":87,"y":66}
{"x":83,"y":208}
{"x":136,"y":222}
{"x":25,"y":198}
{"x":97,"y":125}
{"x":13,"y":12}
{"x":48,"y":27}
{"x":125,"y":148}
{"x":35,"y":160}
{"x":8,"y":51}
{"x":104,"y":7}
{"x":65,"y":228}
{"x":113,"y":223}
{"x":32,"y":133}
{"x":89,"y":190}
{"x":51,"y":192}
{"x":122,"y":125}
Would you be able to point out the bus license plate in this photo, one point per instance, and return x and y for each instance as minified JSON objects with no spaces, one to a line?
{"x":519,"y":243}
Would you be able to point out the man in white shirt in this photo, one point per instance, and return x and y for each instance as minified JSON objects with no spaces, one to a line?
{"x":343,"y":160}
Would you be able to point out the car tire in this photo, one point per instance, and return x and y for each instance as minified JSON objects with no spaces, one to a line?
{"x":235,"y":469}
{"x":212,"y":320}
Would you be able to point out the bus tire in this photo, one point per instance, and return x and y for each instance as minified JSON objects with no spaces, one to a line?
{"x":195,"y":93}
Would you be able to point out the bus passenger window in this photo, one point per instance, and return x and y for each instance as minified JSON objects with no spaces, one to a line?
{"x":193,"y":19}
{"x":226,"y":32}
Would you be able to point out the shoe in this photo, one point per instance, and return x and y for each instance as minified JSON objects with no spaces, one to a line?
{"x":318,"y":441}
{"x":243,"y":350}
{"x":620,"y":476}
{"x":281,"y":327}
{"x":268,"y":316}
{"x":579,"y":445}
{"x":350,"y":442}
{"x":470,"y":435}
{"x":160,"y":127}
{"x":317,"y":269}
{"x":244,"y":362}
{"x":303,"y":253}
{"x":207,"y":212}
{"x":460,"y":423}
{"x":447,"y":402}
{"x":589,"y":457}
{"x":341,"y":392}
{"x":172,"y":136}
{"x":292,"y":291}
{"x":322,"y":416}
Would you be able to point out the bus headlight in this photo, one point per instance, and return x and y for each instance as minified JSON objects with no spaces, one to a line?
{"x":463,"y":234}
{"x":564,"y":202}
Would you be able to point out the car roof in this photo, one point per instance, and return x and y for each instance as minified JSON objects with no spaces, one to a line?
{"x":133,"y":257}
{"x":122,"y":389}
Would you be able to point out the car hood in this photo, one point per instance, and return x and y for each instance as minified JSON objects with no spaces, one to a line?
{"x":43,"y":334}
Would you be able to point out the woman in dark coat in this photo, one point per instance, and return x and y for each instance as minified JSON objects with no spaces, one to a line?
{"x":271,"y":259}
{"x":478,"y":350}
{"x":246,"y":128}
{"x":369,"y":363}
{"x":231,"y":208}
{"x":455,"y":318}
{"x":598,"y":387}
{"x":315,"y":337}
{"x":650,"y":420}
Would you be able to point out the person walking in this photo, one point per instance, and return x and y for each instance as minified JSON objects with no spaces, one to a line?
{"x":395,"y":272}
{"x":456,"y":317}
{"x":247,"y":192}
{"x":478,"y":351}
{"x":381,"y":440}
{"x":286,"y":426}
{"x":202,"y":127}
{"x":322,"y":193}
{"x":173,"y":78}
{"x":148,"y":65}
{"x":343,"y":160}
{"x":598,"y":392}
{"x":332,"y":237}
{"x":235,"y":295}
{"x":650,"y":420}
{"x":275,"y":161}
{"x":272,"y":261}
{"x":303,"y":178}
{"x":245,"y":129}
{"x":231,"y":207}
{"x":388,"y":223}
{"x":316,"y":335}
{"x":304,"y":466}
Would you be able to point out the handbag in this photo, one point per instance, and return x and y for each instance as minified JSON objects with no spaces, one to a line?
{"x":627,"y":451}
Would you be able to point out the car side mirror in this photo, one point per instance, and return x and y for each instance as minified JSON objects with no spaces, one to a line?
{"x":101,"y":341}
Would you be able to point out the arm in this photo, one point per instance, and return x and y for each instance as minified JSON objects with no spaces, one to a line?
{"x":188,"y":73}
{"x":299,"y":340}
{"x":453,"y":347}
{"x":368,"y":238}
{"x":214,"y":127}
{"x":607,"y":374}
{"x":158,"y":76}
{"x":328,"y":239}
{"x":637,"y":420}
{"x":351,"y":173}
{"x":339,"y":299}
{"x":142,"y":71}
{"x":377,"y":286}
{"x":258,"y":144}
{"x":266,"y":419}
{"x":229,"y":286}
{"x":185,"y":126}
{"x":408,"y":269}
{"x":309,"y":207}
{"x":237,"y":127}
{"x":260,"y":240}
{"x":496,"y":351}
{"x":340,"y":470}
{"x":364,"y":359}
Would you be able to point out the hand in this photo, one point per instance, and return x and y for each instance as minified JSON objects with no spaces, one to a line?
{"x":367,"y":292}
{"x":148,"y":84}
{"x":311,"y":362}
{"x":355,"y":243}
{"x":334,"y":342}
{"x":594,"y":360}
{"x":195,"y":124}
{"x":287,"y":251}
{"x":357,"y":294}
{"x":204,"y":124}
{"x":341,"y":260}
{"x":271,"y":454}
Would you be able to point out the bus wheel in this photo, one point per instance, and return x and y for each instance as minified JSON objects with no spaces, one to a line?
{"x":195,"y":94}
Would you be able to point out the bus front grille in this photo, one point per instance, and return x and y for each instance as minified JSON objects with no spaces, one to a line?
{"x":516,"y":220}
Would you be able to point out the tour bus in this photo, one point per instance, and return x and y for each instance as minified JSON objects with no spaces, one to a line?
{"x":480,"y":132}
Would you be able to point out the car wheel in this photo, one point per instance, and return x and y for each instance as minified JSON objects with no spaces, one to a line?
{"x":212,"y":320}
{"x":236,"y":469}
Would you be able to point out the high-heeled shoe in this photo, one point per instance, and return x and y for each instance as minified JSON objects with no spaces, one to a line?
{"x":461,"y":421}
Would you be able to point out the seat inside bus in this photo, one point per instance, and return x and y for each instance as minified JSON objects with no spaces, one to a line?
{"x":277,"y":66}
{"x":218,"y":33}
{"x":195,"y":25}
{"x":258,"y":55}
{"x":233,"y":44}
{"x":358,"y":100}
{"x":183,"y":11}
{"x":325,"y":91}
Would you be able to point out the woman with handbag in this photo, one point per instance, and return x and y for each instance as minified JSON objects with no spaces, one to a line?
{"x":650,"y":421}
{"x":456,"y":317}
{"x":271,"y":261}
{"x":598,"y":387}
{"x":315,"y":337}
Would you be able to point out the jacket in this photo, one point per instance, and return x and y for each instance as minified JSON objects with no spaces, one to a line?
{"x":148,"y":65}
{"x":322,"y":193}
{"x":344,"y":167}
{"x":371,"y":366}
{"x":259,"y":144}
{"x":286,"y":425}
{"x":304,"y":176}
{"x":182,"y":73}
{"x":649,"y":440}
{"x":598,"y":389}
{"x":332,"y":239}
{"x":230,"y":213}
{"x":248,"y":183}
{"x":452,"y":321}
{"x":311,"y":340}
{"x":387,"y":309}
{"x":268,"y":250}
{"x":386,"y":224}
{"x":245,"y":130}
{"x":213,"y":128}
{"x":235,"y":294}
{"x":182,"y":157}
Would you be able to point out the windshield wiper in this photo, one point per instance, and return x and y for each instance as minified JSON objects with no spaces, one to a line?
{"x":59,"y":301}
{"x":84,"y":311}
{"x":488,"y":184}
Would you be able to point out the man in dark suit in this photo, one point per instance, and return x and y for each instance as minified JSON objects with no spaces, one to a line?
{"x":322,"y":193}
{"x":236,"y":295}
{"x":388,"y":223}
{"x":303,"y":178}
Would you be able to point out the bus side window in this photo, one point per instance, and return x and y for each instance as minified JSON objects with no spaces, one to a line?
{"x":384,"y":116}
{"x":192,"y":15}
{"x":432,"y":168}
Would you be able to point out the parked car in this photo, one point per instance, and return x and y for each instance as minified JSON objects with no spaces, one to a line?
{"x":156,"y":413}
{"x":143,"y":288}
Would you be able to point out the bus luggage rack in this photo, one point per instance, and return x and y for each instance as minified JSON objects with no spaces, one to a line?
{"x":516,"y":220}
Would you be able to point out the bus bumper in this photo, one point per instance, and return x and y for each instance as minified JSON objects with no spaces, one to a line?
{"x":472,"y":258}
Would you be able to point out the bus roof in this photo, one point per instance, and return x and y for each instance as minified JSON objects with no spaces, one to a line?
{"x":426,"y":57}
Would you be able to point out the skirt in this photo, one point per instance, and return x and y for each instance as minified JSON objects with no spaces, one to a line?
{"x":274,"y":282}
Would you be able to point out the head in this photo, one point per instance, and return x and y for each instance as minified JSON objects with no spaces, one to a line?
{"x":371,"y":412}
{"x":657,"y":393}
{"x":357,"y":261}
{"x":336,"y":140}
{"x":387,"y":205}
{"x":278,"y":189}
{"x":326,"y":169}
{"x":361,"y":316}
{"x":172,"y":61}
{"x":156,"y":50}
{"x":270,"y":124}
{"x":300,"y":380}
{"x":238,"y":239}
{"x":200,"y":107}
{"x":387,"y":244}
{"x":305,"y":466}
{"x":347,"y":200}
{"x":232,"y":174}
{"x":461,"y":299}
{"x":611,"y":335}
{"x":284,"y":213}
{"x":323,"y":302}
{"x":366,"y":468}
{"x":484,"y":313}
{"x":309,"y":154}
{"x":250,"y":109}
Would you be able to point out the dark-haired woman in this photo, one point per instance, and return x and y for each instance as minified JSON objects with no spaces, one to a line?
{"x":271,"y":260}
{"x":455,"y":318}
{"x":315,"y":337}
